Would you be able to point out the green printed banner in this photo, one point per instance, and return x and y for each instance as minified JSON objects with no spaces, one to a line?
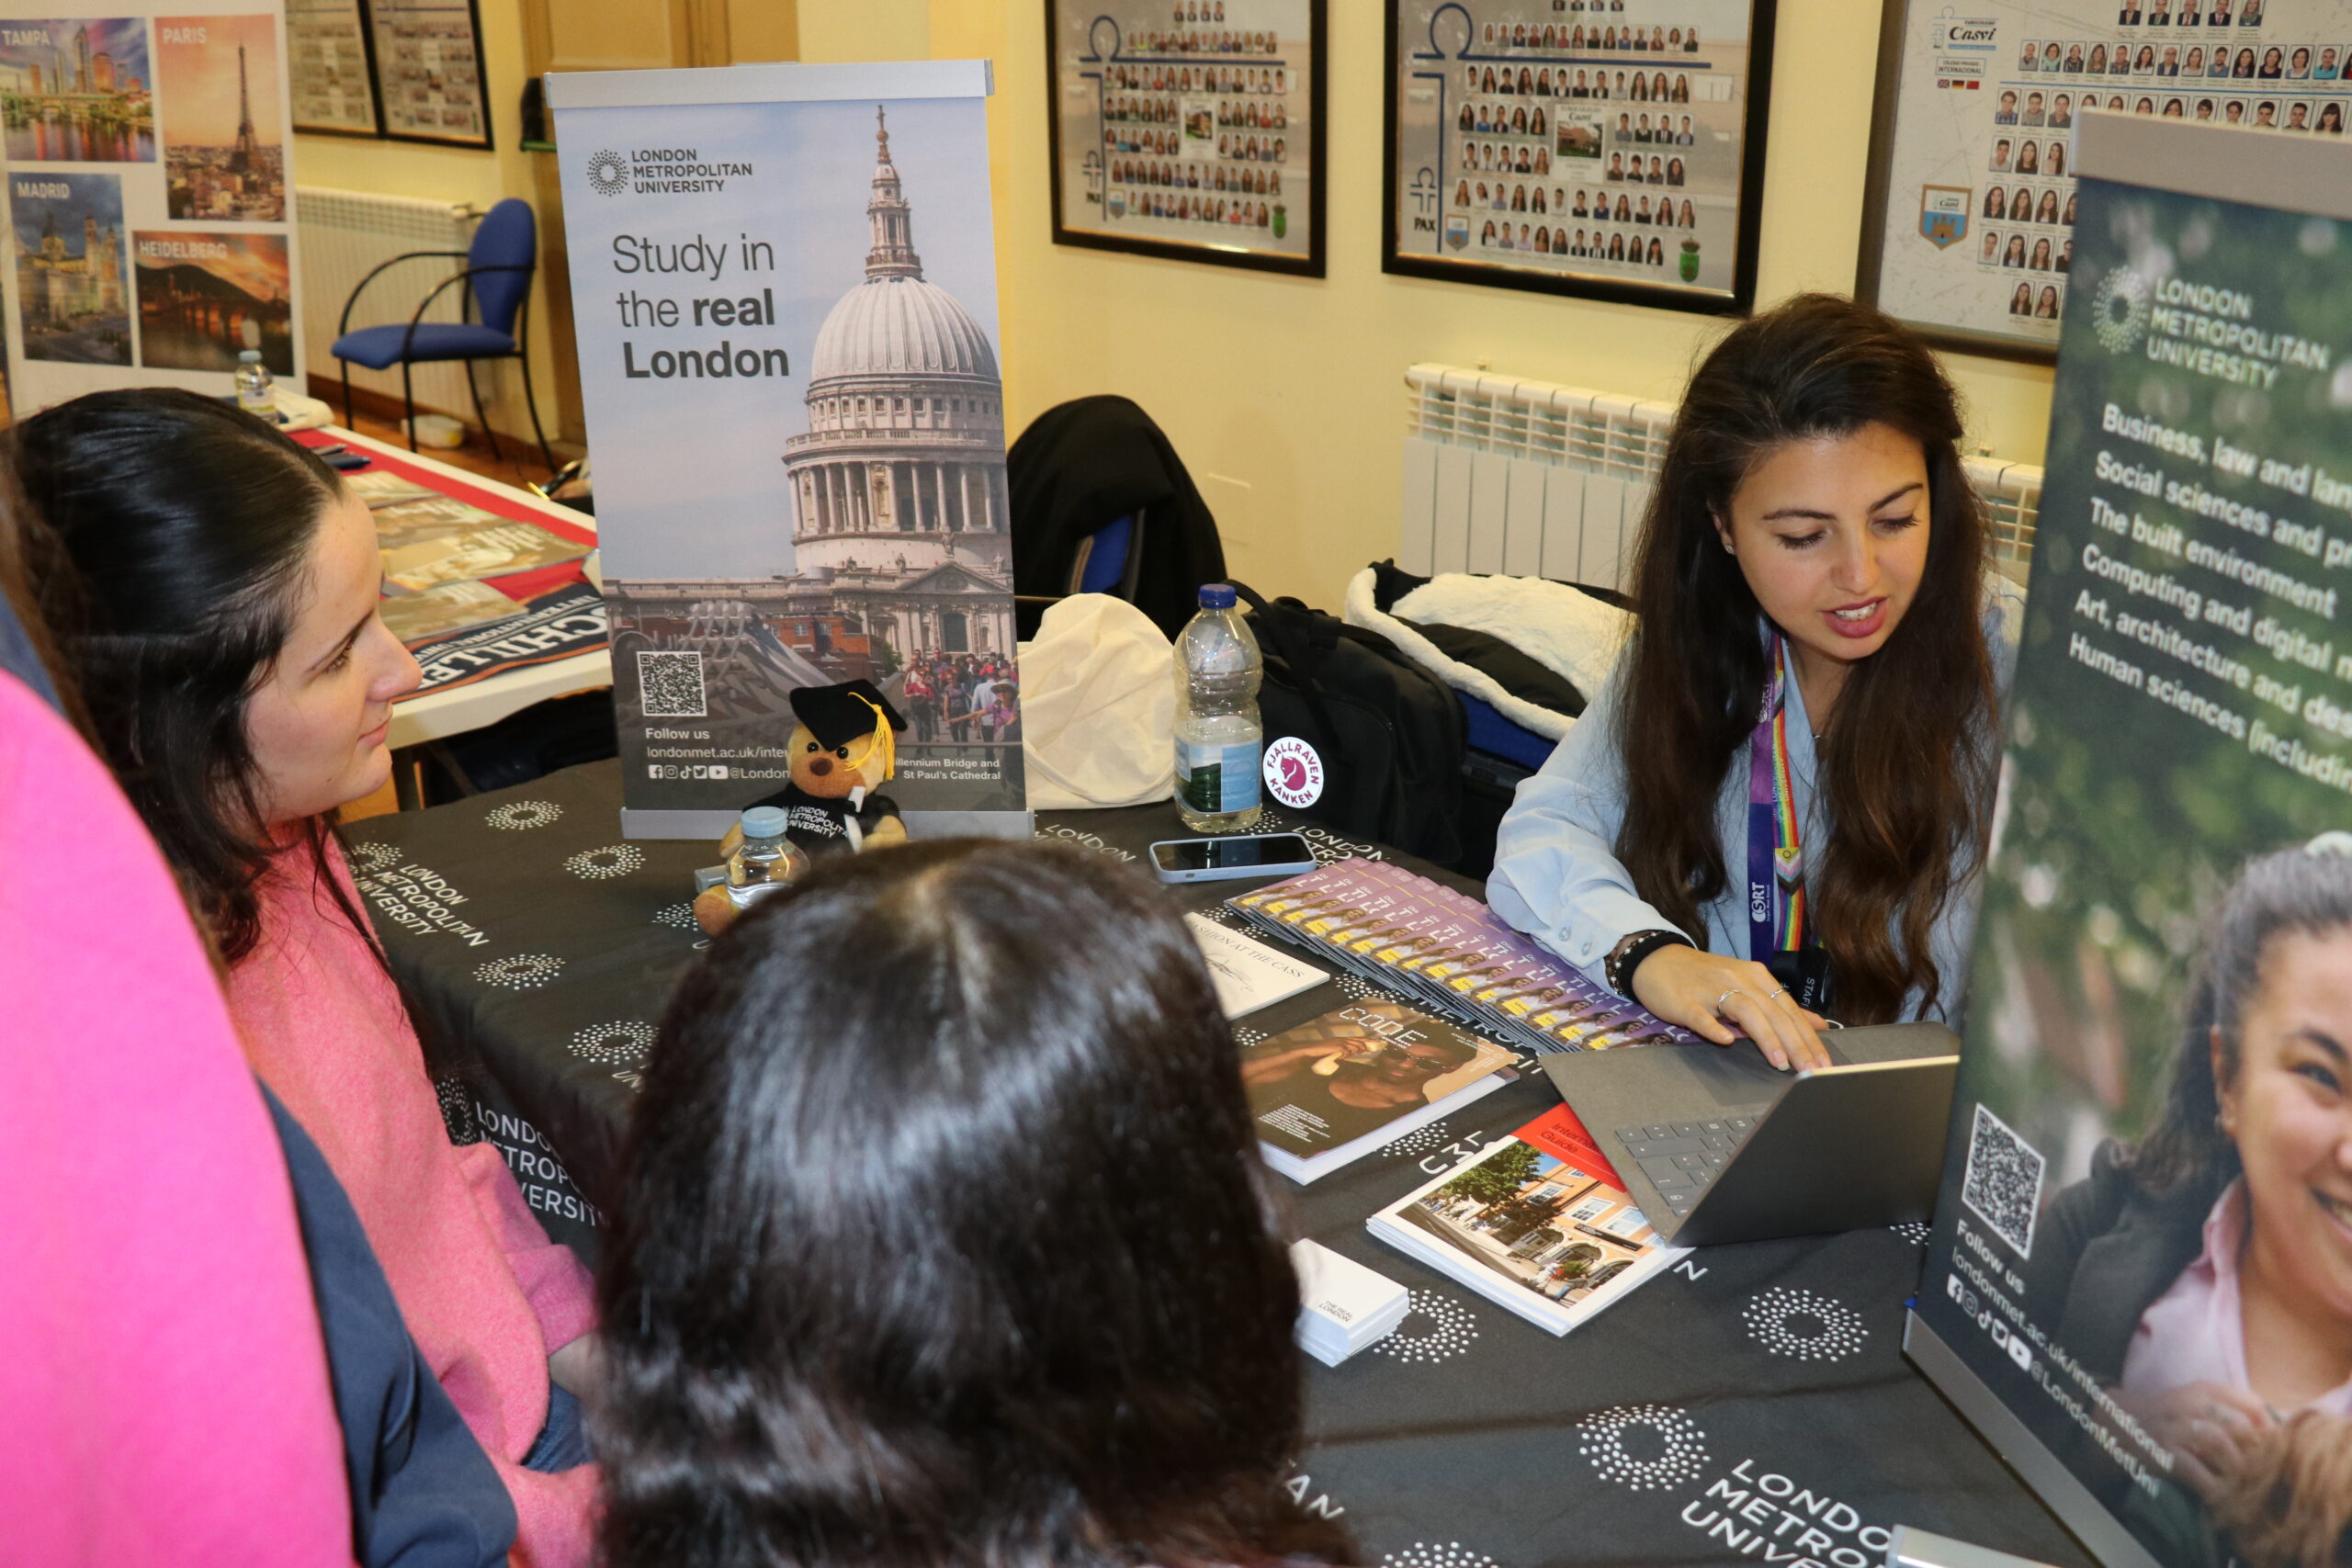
{"x":2145,"y":1246}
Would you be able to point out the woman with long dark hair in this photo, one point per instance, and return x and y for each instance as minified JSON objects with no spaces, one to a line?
{"x":1776,"y":808}
{"x":2206,"y":1273}
{"x":942,"y":1239}
{"x":239,"y":682}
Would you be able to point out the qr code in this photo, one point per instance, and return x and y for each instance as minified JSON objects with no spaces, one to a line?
{"x":670,"y":685}
{"x":2002,"y":1187}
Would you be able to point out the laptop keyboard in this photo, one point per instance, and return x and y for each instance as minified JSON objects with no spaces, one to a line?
{"x":1681,"y":1158}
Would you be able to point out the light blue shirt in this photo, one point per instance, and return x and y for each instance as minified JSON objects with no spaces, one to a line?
{"x":1557,"y":874}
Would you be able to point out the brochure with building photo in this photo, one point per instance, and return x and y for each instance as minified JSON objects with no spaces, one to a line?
{"x":413,"y":520}
{"x":1538,"y":1224}
{"x":1332,"y":1090}
{"x":476,"y":553}
{"x":444,"y":611}
{"x":381,"y":487}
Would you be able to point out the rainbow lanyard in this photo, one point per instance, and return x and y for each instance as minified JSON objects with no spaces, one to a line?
{"x":1775,"y":849}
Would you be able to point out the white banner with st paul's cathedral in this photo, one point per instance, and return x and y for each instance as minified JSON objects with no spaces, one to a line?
{"x":785,"y":286}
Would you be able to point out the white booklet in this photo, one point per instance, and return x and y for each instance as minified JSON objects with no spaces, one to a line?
{"x":1249,"y":974}
{"x":1537,"y":1222}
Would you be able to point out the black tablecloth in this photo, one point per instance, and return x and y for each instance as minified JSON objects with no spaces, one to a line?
{"x":1754,"y":1405}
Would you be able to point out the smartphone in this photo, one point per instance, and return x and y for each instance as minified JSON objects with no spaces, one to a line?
{"x":1242,"y":854}
{"x":345,"y":461}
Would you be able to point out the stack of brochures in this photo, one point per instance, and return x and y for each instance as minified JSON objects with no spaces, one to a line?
{"x":1343,"y":1306}
{"x":1424,"y":939}
{"x":1334,"y":1089}
{"x":381,"y":487}
{"x":444,"y":611}
{"x":1537,"y":1222}
{"x":427,"y":542}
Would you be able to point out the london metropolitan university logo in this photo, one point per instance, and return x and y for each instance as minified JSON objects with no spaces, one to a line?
{"x":608,"y":173}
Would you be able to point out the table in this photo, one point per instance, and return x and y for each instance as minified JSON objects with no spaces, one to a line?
{"x":457,"y":710}
{"x":1753,"y":1407}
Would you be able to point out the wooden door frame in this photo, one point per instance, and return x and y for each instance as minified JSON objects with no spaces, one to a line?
{"x":700,"y":34}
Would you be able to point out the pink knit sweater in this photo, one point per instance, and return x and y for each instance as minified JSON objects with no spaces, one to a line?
{"x":484,"y":1291}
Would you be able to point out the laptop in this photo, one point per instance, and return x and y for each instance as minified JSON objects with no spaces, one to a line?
{"x":1715,"y":1145}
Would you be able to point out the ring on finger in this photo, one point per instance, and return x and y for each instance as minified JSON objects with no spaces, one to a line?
{"x":1733,"y":991}
{"x":1781,"y":992}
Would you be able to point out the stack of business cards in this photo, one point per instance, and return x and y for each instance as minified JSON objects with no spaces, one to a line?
{"x":1343,"y":1306}
{"x":1410,"y":934}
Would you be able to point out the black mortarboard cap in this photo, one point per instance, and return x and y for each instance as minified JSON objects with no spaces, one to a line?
{"x":836,"y":717}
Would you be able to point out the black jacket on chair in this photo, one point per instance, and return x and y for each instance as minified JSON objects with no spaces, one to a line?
{"x":1094,"y":460}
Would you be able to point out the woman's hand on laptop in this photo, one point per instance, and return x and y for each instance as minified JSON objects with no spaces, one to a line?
{"x":1721,"y":998}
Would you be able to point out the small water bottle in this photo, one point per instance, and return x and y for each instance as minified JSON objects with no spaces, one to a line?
{"x":256,"y":393}
{"x":1218,"y":732}
{"x":765,"y":861}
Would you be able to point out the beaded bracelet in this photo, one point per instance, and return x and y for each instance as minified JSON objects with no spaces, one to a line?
{"x":1620,"y":966}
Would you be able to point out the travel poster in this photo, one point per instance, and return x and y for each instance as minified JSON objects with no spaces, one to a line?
{"x":791,"y":379}
{"x":224,"y":118}
{"x":76,"y":90}
{"x":205,"y":298}
{"x":136,"y":265}
{"x":72,"y":276}
{"x":2146,"y":1220}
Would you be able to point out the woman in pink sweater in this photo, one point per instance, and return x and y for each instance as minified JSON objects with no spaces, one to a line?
{"x":240,"y":686}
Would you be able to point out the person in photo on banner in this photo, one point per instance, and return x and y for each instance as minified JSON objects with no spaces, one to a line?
{"x":1780,"y":815}
{"x":226,"y":640}
{"x":2204,"y":1274}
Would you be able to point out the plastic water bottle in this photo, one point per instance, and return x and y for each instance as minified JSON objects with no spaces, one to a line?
{"x":1218,"y":732}
{"x":256,"y":392}
{"x":765,"y":861}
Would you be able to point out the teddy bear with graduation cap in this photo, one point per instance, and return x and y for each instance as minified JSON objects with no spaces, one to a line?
{"x":844,"y":748}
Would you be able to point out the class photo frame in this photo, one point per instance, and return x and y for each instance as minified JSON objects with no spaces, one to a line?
{"x":1612,"y":150}
{"x":430,"y":83}
{"x":331,"y":66}
{"x":1968,"y":214}
{"x":1190,"y":129}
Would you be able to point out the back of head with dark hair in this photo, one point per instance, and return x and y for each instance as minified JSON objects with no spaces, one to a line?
{"x":1906,"y":764}
{"x":942,"y":1239}
{"x":2303,"y":891}
{"x":186,"y":524}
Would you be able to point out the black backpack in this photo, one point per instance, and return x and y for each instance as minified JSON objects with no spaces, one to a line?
{"x":1388,"y":732}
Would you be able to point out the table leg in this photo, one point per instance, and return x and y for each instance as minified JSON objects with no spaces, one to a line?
{"x":406,"y":789}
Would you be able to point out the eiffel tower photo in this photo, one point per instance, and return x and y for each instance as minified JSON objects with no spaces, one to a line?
{"x":224,"y":153}
{"x":245,"y":158}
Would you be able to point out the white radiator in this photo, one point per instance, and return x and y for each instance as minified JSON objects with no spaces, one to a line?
{"x":347,"y":232}
{"x":1533,"y":480}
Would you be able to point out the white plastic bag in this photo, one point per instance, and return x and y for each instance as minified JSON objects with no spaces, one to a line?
{"x":1098,"y":706}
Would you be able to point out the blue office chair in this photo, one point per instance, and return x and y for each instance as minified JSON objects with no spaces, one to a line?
{"x":497,"y":278}
{"x":1108,"y":560}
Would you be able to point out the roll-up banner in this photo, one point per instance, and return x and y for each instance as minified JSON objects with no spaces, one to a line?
{"x":784,"y":286}
{"x":2140,"y":1285}
{"x":145,"y":159}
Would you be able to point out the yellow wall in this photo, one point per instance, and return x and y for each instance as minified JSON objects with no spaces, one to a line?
{"x":447,"y":173}
{"x":1286,"y":396}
